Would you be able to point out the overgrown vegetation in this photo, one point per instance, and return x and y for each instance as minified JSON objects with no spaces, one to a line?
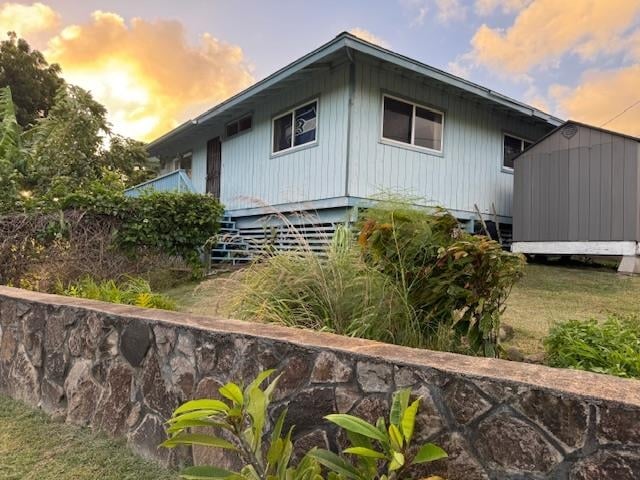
{"x":35,"y":447}
{"x":132,"y":291}
{"x":611,"y":346}
{"x":105,"y":235}
{"x":413,"y":278}
{"x":241,"y":420}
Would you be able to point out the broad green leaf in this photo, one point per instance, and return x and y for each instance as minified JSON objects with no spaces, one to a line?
{"x":335,"y":463}
{"x":399,"y":405}
{"x":196,"y":423}
{"x":357,"y":425}
{"x":364,"y":452}
{"x":397,"y":461}
{"x":202,"y":404}
{"x":262,"y":376}
{"x":256,"y":407}
{"x":232,"y":392}
{"x":409,"y":420}
{"x":429,"y":452}
{"x":203,"y":472}
{"x":198,"y":439}
{"x":397,"y":442}
{"x":195,"y":415}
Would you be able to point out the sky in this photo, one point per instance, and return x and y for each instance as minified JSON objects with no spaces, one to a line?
{"x":157,"y":63}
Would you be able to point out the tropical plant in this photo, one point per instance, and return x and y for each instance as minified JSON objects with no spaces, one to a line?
{"x":380,"y":452}
{"x":242,"y":418}
{"x":12,"y":164}
{"x":132,"y":291}
{"x":611,"y":346}
{"x":452,"y":280}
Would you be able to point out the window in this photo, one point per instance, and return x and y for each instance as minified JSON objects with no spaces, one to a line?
{"x":239,"y":126}
{"x":512,"y":146}
{"x":295,"y":128}
{"x":412,"y":124}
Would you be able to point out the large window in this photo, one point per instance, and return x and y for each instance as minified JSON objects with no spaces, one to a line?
{"x":238,"y":126}
{"x":295,"y":128}
{"x":512,"y":146}
{"x":412,"y":124}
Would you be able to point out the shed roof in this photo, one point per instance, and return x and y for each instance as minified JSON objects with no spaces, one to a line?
{"x":346,"y":43}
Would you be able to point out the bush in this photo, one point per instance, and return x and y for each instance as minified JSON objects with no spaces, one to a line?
{"x":101,"y":233}
{"x":450,"y":278}
{"x":612,"y":346}
{"x":415,"y":279}
{"x":133,"y":291}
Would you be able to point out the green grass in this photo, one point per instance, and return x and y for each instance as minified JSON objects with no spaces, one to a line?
{"x":545,"y":295}
{"x":548,"y":294}
{"x":34,"y":447}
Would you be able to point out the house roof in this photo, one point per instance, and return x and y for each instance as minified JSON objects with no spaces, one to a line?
{"x":580,"y":124}
{"x":350,"y":43}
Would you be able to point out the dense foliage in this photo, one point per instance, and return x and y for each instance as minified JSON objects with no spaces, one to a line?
{"x":241,"y":419}
{"x":33,"y":81}
{"x":132,"y":291}
{"x":447,"y":276}
{"x":104,"y":234}
{"x":612,"y":346}
{"x":414,"y":278}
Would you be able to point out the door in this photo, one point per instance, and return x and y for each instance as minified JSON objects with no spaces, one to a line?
{"x":214,"y":166}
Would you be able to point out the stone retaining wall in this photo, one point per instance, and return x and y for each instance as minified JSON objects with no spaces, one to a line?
{"x":123,"y":370}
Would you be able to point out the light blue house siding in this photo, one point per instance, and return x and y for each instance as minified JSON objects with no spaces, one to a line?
{"x":468,"y":171}
{"x":254,"y":177}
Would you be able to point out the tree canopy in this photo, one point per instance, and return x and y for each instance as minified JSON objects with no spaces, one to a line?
{"x":32,"y":80}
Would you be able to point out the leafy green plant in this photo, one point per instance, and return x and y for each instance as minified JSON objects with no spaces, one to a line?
{"x":612,"y":346}
{"x":380,"y":452}
{"x":453,"y":281}
{"x":242,"y":416}
{"x":240,"y":420}
{"x":133,"y":291}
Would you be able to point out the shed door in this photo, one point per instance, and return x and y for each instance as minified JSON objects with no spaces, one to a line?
{"x":214,"y":166}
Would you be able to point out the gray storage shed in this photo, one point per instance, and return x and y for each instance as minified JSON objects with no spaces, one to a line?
{"x":576,"y":193}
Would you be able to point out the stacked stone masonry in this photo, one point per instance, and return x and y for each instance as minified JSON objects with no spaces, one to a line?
{"x":123,"y":370}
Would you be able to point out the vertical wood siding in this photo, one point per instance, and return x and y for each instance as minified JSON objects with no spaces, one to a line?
{"x":252,"y":177}
{"x":580,"y":189}
{"x":469,"y":170}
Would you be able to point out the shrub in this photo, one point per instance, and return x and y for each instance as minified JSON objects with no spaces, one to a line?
{"x":133,"y":291}
{"x":339,"y":294}
{"x":612,"y":346}
{"x":240,"y":420}
{"x":451,"y":279}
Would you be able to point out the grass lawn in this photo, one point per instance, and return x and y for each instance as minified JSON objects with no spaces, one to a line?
{"x":546,"y":294}
{"x":33,"y":447}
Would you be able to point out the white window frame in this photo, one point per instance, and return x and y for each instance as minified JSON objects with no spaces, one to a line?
{"x":237,"y":120}
{"x":291,"y":111}
{"x":503,"y":167}
{"x":411,"y":145}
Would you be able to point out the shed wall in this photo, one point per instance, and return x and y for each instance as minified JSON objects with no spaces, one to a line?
{"x":583,"y":188}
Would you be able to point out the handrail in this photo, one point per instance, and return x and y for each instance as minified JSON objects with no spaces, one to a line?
{"x":182,"y":182}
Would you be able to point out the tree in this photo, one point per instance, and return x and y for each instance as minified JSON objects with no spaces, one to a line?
{"x":32,"y":80}
{"x":12,"y":163}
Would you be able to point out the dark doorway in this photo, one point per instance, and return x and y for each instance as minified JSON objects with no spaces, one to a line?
{"x":214,"y":166}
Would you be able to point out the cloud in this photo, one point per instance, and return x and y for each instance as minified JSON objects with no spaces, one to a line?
{"x":369,"y":37}
{"x":446,"y":11}
{"x":486,"y":7}
{"x":600,"y":96}
{"x":546,"y":30}
{"x":146,"y":73}
{"x":450,"y":10}
{"x":35,"y":21}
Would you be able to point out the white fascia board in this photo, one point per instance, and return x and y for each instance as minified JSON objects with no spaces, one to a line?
{"x":576,"y":248}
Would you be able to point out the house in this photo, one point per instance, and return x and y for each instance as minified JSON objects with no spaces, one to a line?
{"x":351,"y":120}
{"x":576,"y":193}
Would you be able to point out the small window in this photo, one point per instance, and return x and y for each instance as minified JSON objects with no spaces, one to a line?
{"x":239,"y":126}
{"x":295,"y":128}
{"x":512,"y":147}
{"x":412,"y":124}
{"x":185,"y":163}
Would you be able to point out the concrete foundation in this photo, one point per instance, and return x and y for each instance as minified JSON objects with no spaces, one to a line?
{"x":629,"y":265}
